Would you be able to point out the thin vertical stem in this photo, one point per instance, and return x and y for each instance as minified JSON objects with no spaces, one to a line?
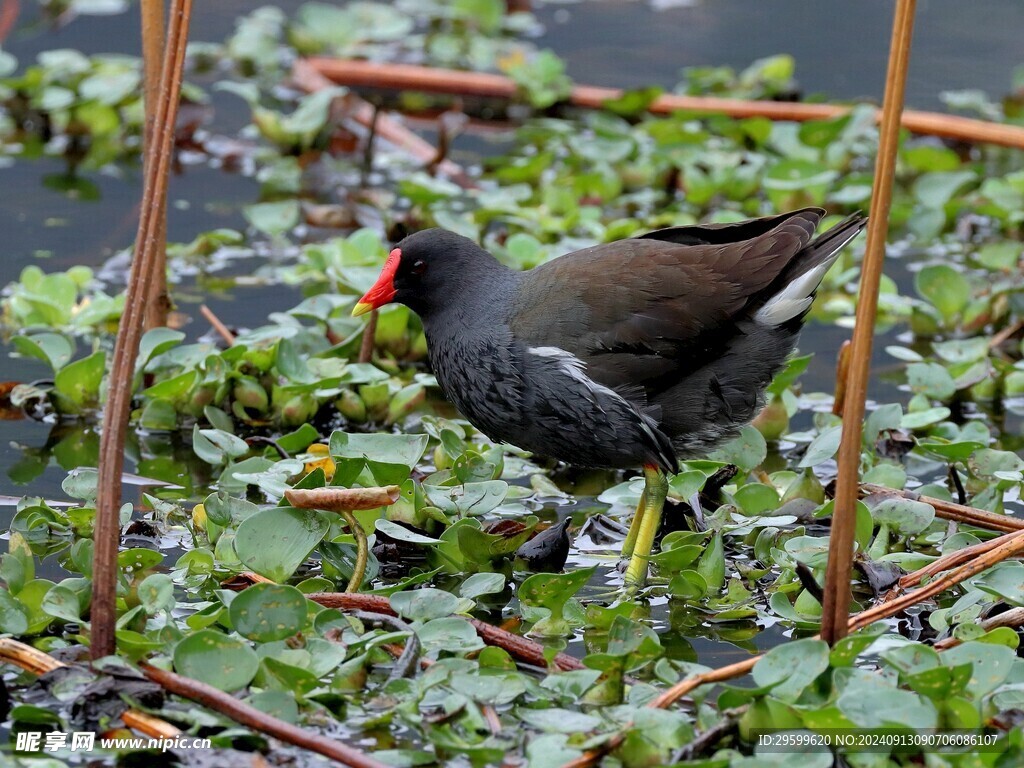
{"x":153,"y":43}
{"x":835,"y":611}
{"x":126,"y":348}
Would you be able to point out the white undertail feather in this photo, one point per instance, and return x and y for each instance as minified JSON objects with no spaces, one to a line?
{"x":796,"y":297}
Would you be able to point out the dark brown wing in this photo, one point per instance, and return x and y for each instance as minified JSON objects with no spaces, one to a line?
{"x":629,"y":309}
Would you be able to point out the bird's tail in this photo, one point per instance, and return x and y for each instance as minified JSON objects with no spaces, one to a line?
{"x":790,"y":295}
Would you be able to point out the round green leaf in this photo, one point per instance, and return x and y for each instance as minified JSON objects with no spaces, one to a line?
{"x":156,"y":592}
{"x":944,"y":287}
{"x":268,"y":612}
{"x":788,"y":669}
{"x":13,"y":618}
{"x":217,"y":659}
{"x":424,"y":604}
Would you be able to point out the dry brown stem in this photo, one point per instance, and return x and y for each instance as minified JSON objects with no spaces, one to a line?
{"x":253,"y":718}
{"x":518,"y":647}
{"x":836,"y":608}
{"x":842,"y":371}
{"x":366,"y":343}
{"x":310,"y":78}
{"x":222,"y":330}
{"x":950,"y":510}
{"x":953,"y":560}
{"x":153,"y":43}
{"x":410,"y":77}
{"x":126,"y":347}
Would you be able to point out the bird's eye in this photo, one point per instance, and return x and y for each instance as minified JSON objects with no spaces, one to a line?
{"x":419,"y":267}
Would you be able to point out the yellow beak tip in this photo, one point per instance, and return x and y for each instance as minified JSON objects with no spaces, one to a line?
{"x":361,"y":308}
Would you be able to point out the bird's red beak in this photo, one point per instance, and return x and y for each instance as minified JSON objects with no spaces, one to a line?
{"x":383,"y":290}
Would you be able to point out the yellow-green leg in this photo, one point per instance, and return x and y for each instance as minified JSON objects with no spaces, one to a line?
{"x":634,"y":527}
{"x":646,"y":523}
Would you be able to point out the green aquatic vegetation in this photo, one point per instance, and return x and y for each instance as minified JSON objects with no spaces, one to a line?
{"x":86,"y":109}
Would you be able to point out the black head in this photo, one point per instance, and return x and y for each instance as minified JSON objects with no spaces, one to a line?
{"x":428,"y":271}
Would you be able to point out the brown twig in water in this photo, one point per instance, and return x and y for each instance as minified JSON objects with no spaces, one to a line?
{"x":38,"y":663}
{"x":953,"y":560}
{"x":954,"y":478}
{"x":309,"y":78}
{"x":371,"y":134}
{"x":222,"y":330}
{"x":126,"y":348}
{"x":253,"y":718}
{"x":410,"y":77}
{"x":810,"y":584}
{"x":948,"y":510}
{"x":397,"y":649}
{"x":836,"y":608}
{"x":1005,"y":334}
{"x":491,"y":716}
{"x":1012,"y":618}
{"x":1009,"y":546}
{"x":518,"y":647}
{"x":408,"y":658}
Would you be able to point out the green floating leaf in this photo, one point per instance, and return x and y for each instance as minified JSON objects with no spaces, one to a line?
{"x":823,"y":447}
{"x":13,"y":617}
{"x":480,"y":584}
{"x":937,"y":188}
{"x":77,"y":386}
{"x":990,"y":664}
{"x":788,"y":669}
{"x":401,"y":533}
{"x":450,"y":634}
{"x":424,"y":604}
{"x":871,"y":701}
{"x":273,"y":218}
{"x":746,"y":451}
{"x":1005,"y":580}
{"x":903,"y":515}
{"x":62,"y":602}
{"x":931,"y":379}
{"x":274,"y":542}
{"x":52,"y":348}
{"x":156,"y":593}
{"x":552,"y":591}
{"x":944,"y":287}
{"x":268,"y":612}
{"x":155,"y":342}
{"x":389,"y":458}
{"x":216,"y":659}
{"x":467,"y":500}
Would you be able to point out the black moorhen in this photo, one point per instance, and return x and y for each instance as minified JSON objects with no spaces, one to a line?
{"x":624,"y":354}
